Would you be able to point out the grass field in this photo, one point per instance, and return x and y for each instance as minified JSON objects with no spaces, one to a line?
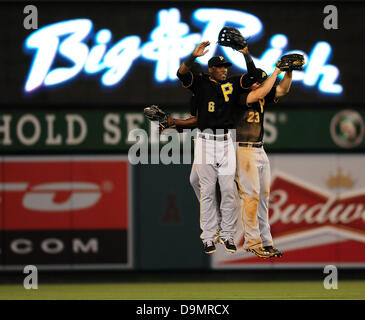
{"x":309,"y":290}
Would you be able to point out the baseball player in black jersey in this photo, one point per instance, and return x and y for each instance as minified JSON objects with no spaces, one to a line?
{"x":216,"y":98}
{"x":243,"y":117}
{"x":250,"y":79}
{"x":253,"y":168}
{"x":257,"y":96}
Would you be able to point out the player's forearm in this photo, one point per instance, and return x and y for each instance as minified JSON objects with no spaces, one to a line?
{"x":284,"y":86}
{"x":251,"y":68}
{"x":183,"y":69}
{"x":187,"y":64}
{"x":265,"y":88}
{"x":187,"y":123}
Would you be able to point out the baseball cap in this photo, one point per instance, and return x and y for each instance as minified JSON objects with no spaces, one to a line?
{"x":248,"y":79}
{"x":218,"y":61}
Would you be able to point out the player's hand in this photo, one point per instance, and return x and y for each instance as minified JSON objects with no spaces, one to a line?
{"x":200,"y":49}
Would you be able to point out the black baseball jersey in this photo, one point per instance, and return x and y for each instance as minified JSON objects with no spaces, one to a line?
{"x":250,"y":119}
{"x":215,"y":102}
{"x":193,"y":105}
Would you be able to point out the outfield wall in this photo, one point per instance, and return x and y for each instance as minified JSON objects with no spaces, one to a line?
{"x":97,"y":210}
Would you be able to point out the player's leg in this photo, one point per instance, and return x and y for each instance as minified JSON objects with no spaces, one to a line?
{"x":248,"y":181}
{"x":207,"y":174}
{"x":228,"y":204}
{"x":219,"y":214}
{"x":194,"y":181}
{"x":263,"y":210}
{"x":249,"y":188}
{"x":263,"y":207}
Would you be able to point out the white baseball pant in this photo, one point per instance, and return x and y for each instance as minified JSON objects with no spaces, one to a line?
{"x":214,"y":160}
{"x":253,"y":180}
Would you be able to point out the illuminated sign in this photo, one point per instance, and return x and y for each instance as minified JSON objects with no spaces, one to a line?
{"x":169,"y":42}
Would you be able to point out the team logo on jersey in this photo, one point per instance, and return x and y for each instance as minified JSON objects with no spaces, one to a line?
{"x":347,"y":129}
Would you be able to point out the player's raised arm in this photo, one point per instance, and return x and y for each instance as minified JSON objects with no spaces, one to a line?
{"x":284,"y":86}
{"x":251,"y":68}
{"x":264,"y":89}
{"x":199,"y":51}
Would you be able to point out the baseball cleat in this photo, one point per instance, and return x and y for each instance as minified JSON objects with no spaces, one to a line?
{"x":209,"y":247}
{"x":260,"y":252}
{"x":228,"y":244}
{"x":277,"y":253}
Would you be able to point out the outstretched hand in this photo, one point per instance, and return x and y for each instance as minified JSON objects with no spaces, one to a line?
{"x":200,"y":49}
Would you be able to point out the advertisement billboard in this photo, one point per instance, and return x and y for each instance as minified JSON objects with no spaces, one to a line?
{"x":66,"y":211}
{"x":317,"y":214}
{"x":80,"y":131}
{"x":127,"y":54}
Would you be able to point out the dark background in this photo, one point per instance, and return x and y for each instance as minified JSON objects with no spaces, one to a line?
{"x":301,"y":22}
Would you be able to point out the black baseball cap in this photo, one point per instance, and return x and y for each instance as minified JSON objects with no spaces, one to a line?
{"x":249,"y":79}
{"x":218,"y":61}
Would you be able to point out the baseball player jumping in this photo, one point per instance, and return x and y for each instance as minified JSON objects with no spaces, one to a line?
{"x":216,"y":97}
{"x":220,"y":102}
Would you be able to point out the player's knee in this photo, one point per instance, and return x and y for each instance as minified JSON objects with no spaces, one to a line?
{"x":208,"y":191}
{"x":252,"y":196}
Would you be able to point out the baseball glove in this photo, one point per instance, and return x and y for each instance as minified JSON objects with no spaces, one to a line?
{"x":293,"y":61}
{"x":154,"y":113}
{"x":231,"y":37}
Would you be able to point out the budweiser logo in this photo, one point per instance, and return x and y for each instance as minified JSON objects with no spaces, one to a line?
{"x":312,"y":225}
{"x":294,"y":204}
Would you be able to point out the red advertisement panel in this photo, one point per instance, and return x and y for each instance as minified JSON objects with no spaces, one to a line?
{"x":31,"y":200}
{"x":103,"y":194}
{"x":65,"y":193}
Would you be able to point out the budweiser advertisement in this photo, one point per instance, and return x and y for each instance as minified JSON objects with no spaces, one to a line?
{"x":65,"y":211}
{"x":316,"y":214}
